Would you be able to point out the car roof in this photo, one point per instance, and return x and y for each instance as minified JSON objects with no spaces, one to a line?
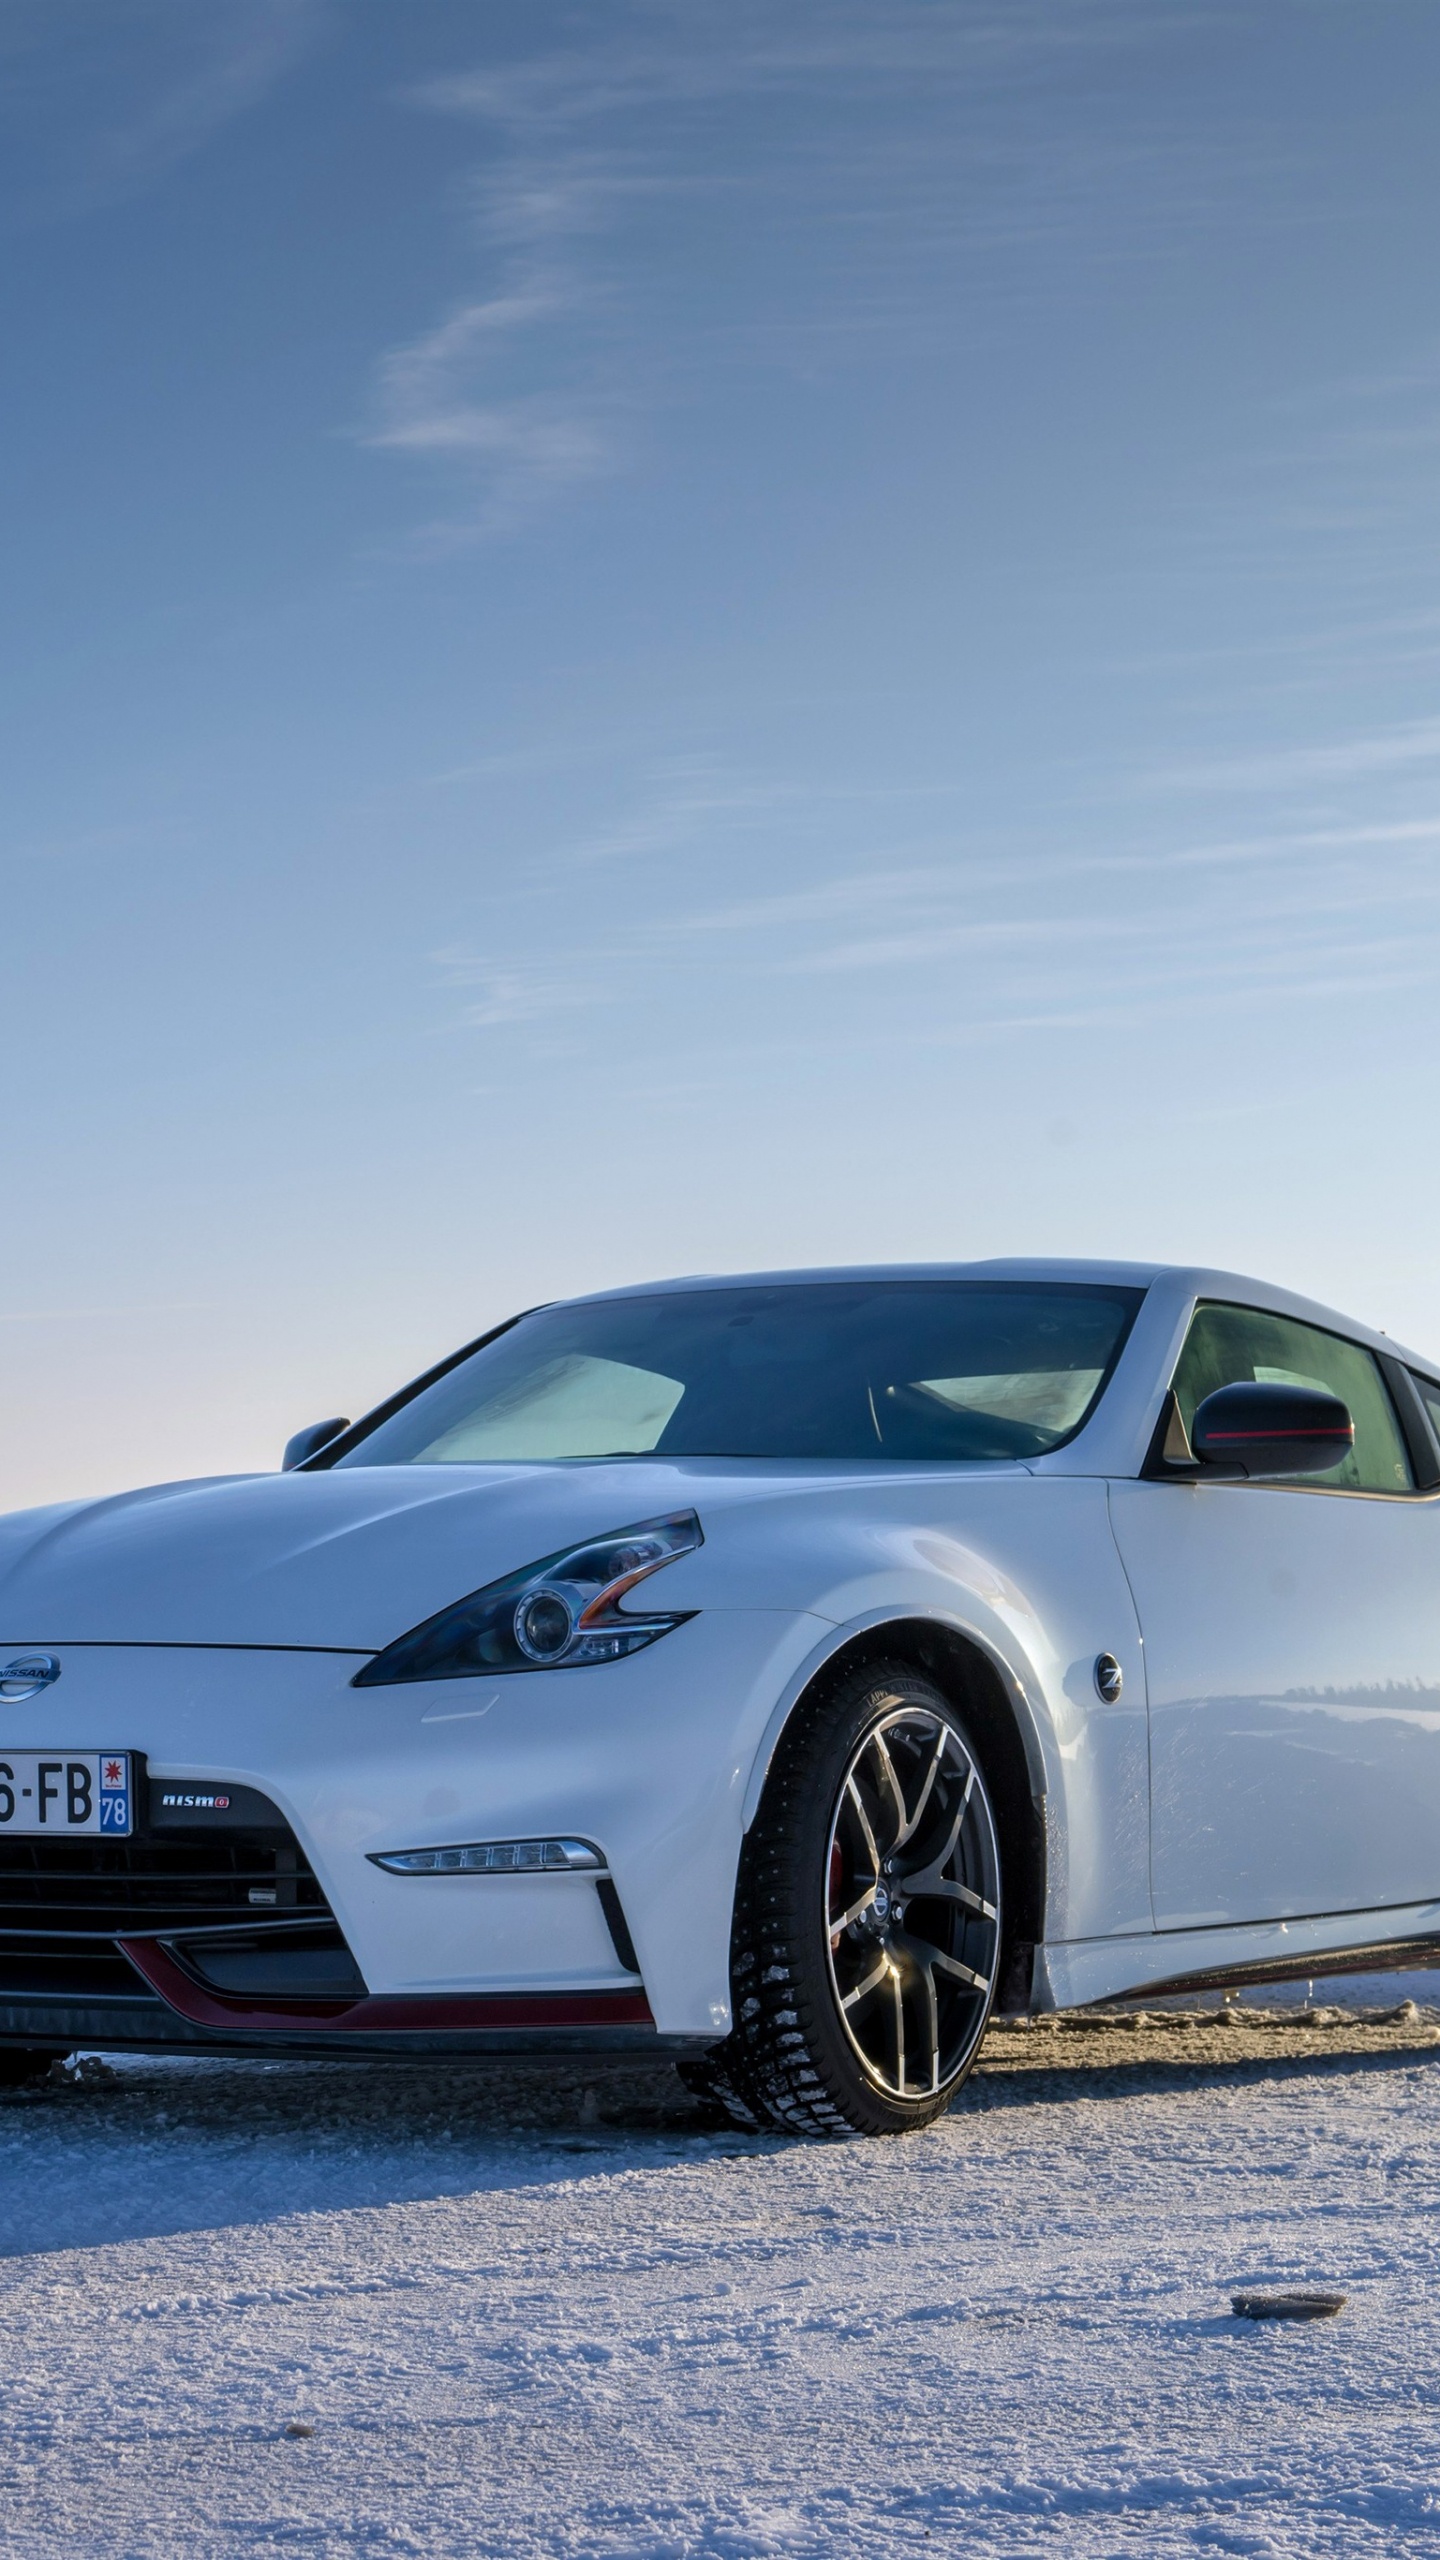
{"x":1131,"y":1275}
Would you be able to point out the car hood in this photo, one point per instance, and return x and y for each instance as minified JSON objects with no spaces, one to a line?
{"x":353,"y":1558}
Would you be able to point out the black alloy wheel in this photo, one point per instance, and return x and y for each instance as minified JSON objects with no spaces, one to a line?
{"x":867,"y":1922}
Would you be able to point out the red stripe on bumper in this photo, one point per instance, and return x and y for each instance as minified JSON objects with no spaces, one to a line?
{"x":380,"y":2013}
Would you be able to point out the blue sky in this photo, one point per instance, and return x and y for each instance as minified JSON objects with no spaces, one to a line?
{"x":643,"y":638}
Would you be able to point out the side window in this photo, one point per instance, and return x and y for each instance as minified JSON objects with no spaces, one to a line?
{"x":1227,"y":1344}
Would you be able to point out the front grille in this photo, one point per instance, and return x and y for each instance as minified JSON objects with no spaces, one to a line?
{"x":147,"y":1887}
{"x":67,"y":1969}
{"x":62,"y":1903}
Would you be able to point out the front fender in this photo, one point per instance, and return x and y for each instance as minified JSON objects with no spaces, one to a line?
{"x":1036,"y":1587}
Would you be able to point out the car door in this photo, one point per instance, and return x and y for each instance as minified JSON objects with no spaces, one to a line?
{"x":1292,"y":1645}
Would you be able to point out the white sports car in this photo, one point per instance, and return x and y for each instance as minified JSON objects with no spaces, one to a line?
{"x":779,"y":1673}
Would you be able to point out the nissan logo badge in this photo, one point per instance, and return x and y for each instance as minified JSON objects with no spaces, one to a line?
{"x":27,"y":1675}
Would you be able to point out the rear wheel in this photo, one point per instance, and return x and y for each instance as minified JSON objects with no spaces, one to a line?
{"x":867,"y":1920}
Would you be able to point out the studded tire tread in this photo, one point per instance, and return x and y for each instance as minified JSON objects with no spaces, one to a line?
{"x":785,"y":2065}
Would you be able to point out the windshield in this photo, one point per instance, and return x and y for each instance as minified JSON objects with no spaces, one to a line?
{"x":899,"y":1369}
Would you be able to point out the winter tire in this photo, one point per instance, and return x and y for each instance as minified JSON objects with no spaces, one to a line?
{"x":867,"y":1918}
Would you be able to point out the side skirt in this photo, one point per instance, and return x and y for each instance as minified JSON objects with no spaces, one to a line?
{"x":1072,"y":1975}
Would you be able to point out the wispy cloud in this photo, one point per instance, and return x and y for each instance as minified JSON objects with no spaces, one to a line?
{"x":687,"y":800}
{"x":519,"y":991}
{"x":882,"y":892}
{"x":126,"y":94}
{"x":680,"y":52}
{"x":431,"y":400}
{"x":245,"y":47}
{"x":670,"y":112}
{"x":927,"y":891}
{"x":1345,"y":760}
{"x":456,"y":395}
{"x":957,"y":951}
{"x":418,"y":383}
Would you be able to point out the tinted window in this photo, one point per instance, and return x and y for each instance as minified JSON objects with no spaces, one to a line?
{"x":874,"y":1369}
{"x":1226,"y":1344}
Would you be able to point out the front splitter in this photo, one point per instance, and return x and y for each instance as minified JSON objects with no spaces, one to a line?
{"x":181,"y":2012}
{"x":147,"y":2026}
{"x":382,"y":2014}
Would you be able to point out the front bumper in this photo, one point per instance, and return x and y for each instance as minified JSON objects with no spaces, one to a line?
{"x":648,"y":1758}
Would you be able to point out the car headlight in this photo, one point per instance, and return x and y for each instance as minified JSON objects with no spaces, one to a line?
{"x":551,"y":1616}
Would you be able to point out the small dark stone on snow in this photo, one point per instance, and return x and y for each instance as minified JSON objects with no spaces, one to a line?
{"x":299,"y":2427}
{"x":1287,"y":2306}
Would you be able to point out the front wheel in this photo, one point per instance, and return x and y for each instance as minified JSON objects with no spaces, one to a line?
{"x":867,"y":1920}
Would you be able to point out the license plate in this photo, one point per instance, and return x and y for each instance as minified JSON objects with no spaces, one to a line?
{"x":67,"y":1794}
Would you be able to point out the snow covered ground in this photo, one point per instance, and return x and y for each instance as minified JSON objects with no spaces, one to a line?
{"x":545,"y":2311}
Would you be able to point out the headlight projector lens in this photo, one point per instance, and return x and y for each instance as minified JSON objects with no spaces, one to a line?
{"x":544,"y":1625}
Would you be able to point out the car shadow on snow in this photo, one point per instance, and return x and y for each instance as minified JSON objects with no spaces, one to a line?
{"x":141,"y":2146}
{"x":1051,"y":2082}
{"x":138,"y":2146}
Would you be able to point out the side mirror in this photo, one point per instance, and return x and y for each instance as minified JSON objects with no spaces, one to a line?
{"x":1255,"y":1430}
{"x":317,"y":1436}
